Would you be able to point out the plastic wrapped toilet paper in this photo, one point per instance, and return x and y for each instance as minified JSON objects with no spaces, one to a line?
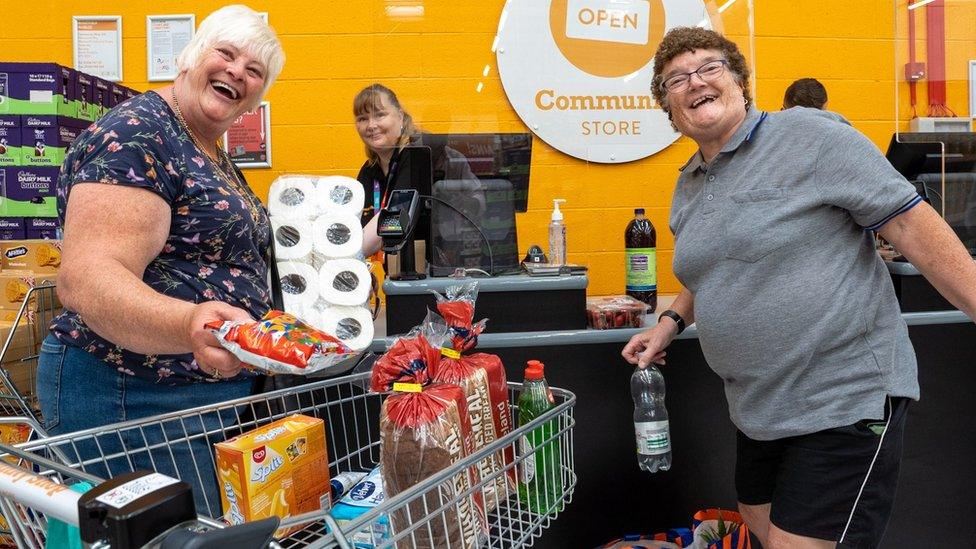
{"x":341,"y":194}
{"x":293,"y":238}
{"x":299,"y":288}
{"x":351,"y":325}
{"x":344,"y":282}
{"x":294,"y":197}
{"x":337,"y":234}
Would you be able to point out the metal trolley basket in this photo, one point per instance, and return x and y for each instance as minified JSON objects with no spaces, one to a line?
{"x":351,"y":416}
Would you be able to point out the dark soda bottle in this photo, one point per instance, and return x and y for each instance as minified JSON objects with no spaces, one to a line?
{"x":640,"y":241}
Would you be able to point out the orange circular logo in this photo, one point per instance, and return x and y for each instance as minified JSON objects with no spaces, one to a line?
{"x":607,"y":58}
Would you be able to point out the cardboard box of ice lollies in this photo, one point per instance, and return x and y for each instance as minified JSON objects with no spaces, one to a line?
{"x":280,"y":469}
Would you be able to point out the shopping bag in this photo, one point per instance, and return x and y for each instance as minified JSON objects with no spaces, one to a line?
{"x":719,"y":529}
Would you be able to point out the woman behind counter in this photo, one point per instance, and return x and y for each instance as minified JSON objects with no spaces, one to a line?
{"x":161,"y":235}
{"x":386,"y":128}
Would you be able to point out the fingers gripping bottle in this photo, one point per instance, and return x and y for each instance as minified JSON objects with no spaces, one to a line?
{"x":540,"y":486}
{"x":651,"y":419}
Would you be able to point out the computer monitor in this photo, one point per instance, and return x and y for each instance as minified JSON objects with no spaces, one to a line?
{"x":941,"y":166}
{"x":913,"y":158}
{"x":503,"y":156}
{"x":473,"y":226}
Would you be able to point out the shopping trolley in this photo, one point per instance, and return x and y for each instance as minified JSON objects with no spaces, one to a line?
{"x":18,"y":356}
{"x":351,"y":417}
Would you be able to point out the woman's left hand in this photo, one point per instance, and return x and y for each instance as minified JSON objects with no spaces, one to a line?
{"x":210,"y":356}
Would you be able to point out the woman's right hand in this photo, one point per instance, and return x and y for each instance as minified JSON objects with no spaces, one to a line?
{"x":212,"y":358}
{"x":648,"y":346}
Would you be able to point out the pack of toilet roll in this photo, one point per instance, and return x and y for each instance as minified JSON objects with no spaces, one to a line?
{"x":317,"y":239}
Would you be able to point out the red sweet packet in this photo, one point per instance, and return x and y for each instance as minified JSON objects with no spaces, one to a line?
{"x":280,"y":343}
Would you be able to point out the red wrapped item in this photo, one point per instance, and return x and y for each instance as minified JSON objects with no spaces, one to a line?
{"x":457,"y":309}
{"x":482,"y":376}
{"x":425,"y":428}
{"x":280,"y":343}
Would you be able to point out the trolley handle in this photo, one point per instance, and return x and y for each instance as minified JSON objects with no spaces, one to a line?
{"x":131,"y":511}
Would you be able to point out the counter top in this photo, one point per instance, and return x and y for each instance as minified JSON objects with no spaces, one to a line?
{"x":903,"y":268}
{"x":509,"y":283}
{"x":490,"y":340}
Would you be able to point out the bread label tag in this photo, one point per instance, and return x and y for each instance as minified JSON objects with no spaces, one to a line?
{"x":400,"y":387}
{"x":450,"y":353}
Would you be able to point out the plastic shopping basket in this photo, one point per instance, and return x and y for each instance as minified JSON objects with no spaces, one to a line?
{"x":351,"y":417}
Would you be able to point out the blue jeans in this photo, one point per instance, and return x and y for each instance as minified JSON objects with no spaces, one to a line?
{"x":78,"y":391}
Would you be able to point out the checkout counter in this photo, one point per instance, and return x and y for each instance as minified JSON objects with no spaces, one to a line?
{"x":613,"y":496}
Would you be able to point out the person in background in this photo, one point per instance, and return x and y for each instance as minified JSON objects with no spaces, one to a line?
{"x":161,"y":236}
{"x":806,"y":92}
{"x":386,"y":128}
{"x":794,"y":309}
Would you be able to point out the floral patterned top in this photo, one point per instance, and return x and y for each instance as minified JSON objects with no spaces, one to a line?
{"x":217,"y":242}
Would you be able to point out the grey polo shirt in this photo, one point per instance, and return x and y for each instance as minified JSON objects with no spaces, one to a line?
{"x":795,"y":310}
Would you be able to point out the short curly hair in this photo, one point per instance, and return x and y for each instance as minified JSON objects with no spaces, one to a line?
{"x":688,"y":39}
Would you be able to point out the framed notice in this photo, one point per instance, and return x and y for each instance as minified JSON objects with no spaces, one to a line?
{"x":97,"y":45}
{"x":166,"y":36}
{"x":248,"y":141}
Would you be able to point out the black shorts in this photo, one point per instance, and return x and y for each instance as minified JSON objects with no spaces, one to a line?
{"x":837,"y":484}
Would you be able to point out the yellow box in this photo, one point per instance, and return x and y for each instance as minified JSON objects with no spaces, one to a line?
{"x":14,"y":287}
{"x":39,"y":256}
{"x":280,"y":469}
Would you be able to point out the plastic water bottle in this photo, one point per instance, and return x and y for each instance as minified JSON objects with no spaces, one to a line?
{"x":651,"y":420}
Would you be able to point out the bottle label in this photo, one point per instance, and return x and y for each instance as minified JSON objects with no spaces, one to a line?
{"x":527,"y":471}
{"x":641,"y":269}
{"x":652,"y":437}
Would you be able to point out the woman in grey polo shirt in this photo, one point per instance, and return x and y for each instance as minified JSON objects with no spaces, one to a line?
{"x":772,"y":220}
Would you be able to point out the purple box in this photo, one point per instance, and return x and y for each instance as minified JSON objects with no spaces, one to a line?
{"x":45,"y":139}
{"x":10,"y":153}
{"x":13,"y":228}
{"x":85,"y":96}
{"x":116,"y":93}
{"x":37,"y":88}
{"x":28,"y":191}
{"x":103,"y":96}
{"x":45,"y":228}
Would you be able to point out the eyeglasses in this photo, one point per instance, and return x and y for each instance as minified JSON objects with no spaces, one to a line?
{"x":707,"y":72}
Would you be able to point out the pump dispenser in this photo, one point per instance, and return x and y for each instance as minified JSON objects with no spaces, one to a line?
{"x":557,"y":235}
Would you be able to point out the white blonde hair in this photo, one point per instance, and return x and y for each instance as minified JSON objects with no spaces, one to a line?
{"x":243,"y":28}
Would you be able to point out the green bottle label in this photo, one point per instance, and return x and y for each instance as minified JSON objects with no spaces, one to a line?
{"x":641,"y":269}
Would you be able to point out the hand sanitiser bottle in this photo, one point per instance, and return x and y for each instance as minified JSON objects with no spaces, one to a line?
{"x":557,"y":235}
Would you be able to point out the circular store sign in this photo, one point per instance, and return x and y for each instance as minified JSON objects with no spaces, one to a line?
{"x":578,"y":72}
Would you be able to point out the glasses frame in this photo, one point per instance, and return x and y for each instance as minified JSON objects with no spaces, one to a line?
{"x":724,"y":63}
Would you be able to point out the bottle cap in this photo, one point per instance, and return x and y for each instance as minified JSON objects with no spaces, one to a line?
{"x":638,"y":211}
{"x":534,"y":369}
{"x":556,"y":214}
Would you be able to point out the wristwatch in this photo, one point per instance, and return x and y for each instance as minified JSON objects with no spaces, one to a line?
{"x":675,"y":317}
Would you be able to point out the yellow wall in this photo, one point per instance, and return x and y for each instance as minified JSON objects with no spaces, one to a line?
{"x":435,"y":63}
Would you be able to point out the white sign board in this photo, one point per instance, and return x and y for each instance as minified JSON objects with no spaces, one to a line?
{"x":578,"y":72}
{"x":166,"y":36}
{"x":97,"y":45}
